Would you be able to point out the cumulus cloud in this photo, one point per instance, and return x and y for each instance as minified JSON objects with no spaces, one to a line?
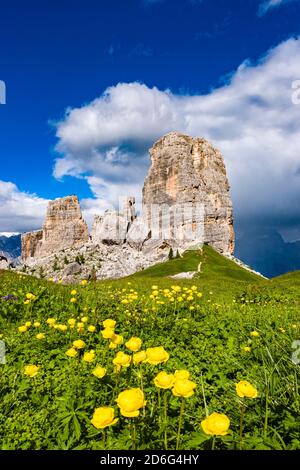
{"x":251,"y":119}
{"x":267,"y":5}
{"x":19,"y":211}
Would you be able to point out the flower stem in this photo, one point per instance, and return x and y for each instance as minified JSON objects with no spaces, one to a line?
{"x":213,"y":443}
{"x":165,"y":420}
{"x":242,"y":409}
{"x":133,"y":435}
{"x":180,"y":423}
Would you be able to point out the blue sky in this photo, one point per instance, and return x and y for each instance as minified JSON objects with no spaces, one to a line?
{"x":63,"y":55}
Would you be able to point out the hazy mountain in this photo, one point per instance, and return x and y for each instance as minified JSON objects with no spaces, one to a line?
{"x":10,"y":246}
{"x":266,"y":251}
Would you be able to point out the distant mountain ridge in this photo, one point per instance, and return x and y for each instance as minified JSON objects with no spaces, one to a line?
{"x":10,"y":247}
{"x":266,"y":252}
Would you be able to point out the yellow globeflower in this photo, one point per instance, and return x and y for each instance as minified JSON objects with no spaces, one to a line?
{"x":183,"y":388}
{"x":73,"y":292}
{"x":122,"y":360}
{"x":117,"y":339}
{"x":112,"y":345}
{"x":40,"y":336}
{"x":254,"y":333}
{"x":130,"y":401}
{"x":164,"y":380}
{"x":89,"y":356}
{"x":28,"y":324}
{"x":181,"y":374}
{"x":73,"y":300}
{"x":245,"y":389}
{"x":246,"y":349}
{"x":109,"y":323}
{"x":104,"y":417}
{"x":216,"y":424}
{"x":84,"y":319}
{"x":71,"y":321}
{"x":71,"y":352}
{"x":22,"y":329}
{"x":78,"y":344}
{"x":138,"y":357}
{"x":30,"y":296}
{"x":36,"y":324}
{"x":80,"y":324}
{"x":51,"y":321}
{"x":107,"y":333}
{"x":99,"y":372}
{"x":157,"y":355}
{"x":84,"y":282}
{"x":91,"y":328}
{"x":134,"y":344}
{"x":31,"y":370}
{"x":26,"y":301}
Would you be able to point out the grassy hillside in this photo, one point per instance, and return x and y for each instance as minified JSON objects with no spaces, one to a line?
{"x":224,"y":326}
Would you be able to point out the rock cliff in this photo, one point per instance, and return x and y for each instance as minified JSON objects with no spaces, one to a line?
{"x":64,"y":227}
{"x":186,"y":202}
{"x":189,"y":175}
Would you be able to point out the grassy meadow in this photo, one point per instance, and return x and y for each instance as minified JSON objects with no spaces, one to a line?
{"x":149,"y":362}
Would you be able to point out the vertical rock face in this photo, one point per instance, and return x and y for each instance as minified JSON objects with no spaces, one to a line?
{"x":64,"y":227}
{"x":112,"y":227}
{"x":31,"y":244}
{"x":185,"y":175}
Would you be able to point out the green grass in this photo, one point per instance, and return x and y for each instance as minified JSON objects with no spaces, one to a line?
{"x":205,"y":334}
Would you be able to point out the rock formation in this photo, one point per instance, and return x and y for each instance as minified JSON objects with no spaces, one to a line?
{"x":64,"y":227}
{"x":189,"y":175}
{"x":186,"y":202}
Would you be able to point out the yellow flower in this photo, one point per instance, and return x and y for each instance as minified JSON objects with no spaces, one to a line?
{"x":109,"y":323}
{"x":104,"y":417}
{"x":73,"y":292}
{"x":164,"y":380}
{"x":89,"y":356}
{"x":138,"y":357}
{"x":22,"y":329}
{"x":91,"y":328}
{"x":71,"y":352}
{"x":28,"y":324}
{"x":62,"y":327}
{"x":73,"y":300}
{"x":117,"y":339}
{"x":157,"y":355}
{"x":26,"y":301}
{"x":40,"y":336}
{"x":80,"y":324}
{"x":84,"y":319}
{"x":99,"y":372}
{"x":134,"y":344}
{"x":30,"y":296}
{"x":72,"y":321}
{"x":245,"y":389}
{"x":181,"y":374}
{"x":51,"y":321}
{"x":280,"y":329}
{"x":84,"y":282}
{"x":216,"y":424}
{"x":130,"y":401}
{"x":112,"y":345}
{"x":31,"y":370}
{"x":254,"y":333}
{"x":247,"y":349}
{"x":78,"y":344}
{"x":107,"y":333}
{"x":122,"y":360}
{"x":183,"y":388}
{"x":36,"y":324}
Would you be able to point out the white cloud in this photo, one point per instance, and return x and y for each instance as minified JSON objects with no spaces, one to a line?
{"x":267,"y":5}
{"x":20,"y":211}
{"x":251,"y":120}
